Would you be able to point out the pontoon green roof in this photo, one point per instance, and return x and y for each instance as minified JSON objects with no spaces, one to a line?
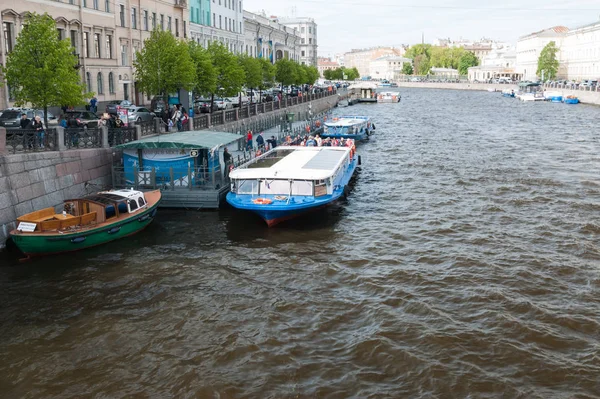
{"x":200,"y":139}
{"x":528,"y":84}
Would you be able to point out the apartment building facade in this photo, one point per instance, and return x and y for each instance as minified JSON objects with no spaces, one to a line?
{"x":218,"y":21}
{"x":307,"y":30}
{"x":105,"y":35}
{"x":266,"y":38}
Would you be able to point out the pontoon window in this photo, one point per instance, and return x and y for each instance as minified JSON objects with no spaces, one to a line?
{"x":275,"y":187}
{"x":141,"y":202}
{"x":302,"y":187}
{"x":132,"y":205}
{"x":247,"y":186}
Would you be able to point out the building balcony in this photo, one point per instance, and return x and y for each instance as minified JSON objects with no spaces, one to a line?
{"x":181,"y":4}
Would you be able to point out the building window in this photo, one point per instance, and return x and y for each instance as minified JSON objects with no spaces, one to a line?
{"x":133,"y":18}
{"x":108,"y":52}
{"x":225,"y":23}
{"x":107,"y":5}
{"x":303,"y":41}
{"x":302,"y":30}
{"x":153,"y":20}
{"x":184,"y":29}
{"x":124,"y":55}
{"x":309,"y":29}
{"x":100,"y":83}
{"x":176,"y":27}
{"x":145,"y":20}
{"x":122,"y":14}
{"x":8,"y":36}
{"x":220,"y":22}
{"x":86,"y":44}
{"x":60,"y":33}
{"x":74,"y":39}
{"x":240,"y":27}
{"x":309,"y":40}
{"x":88,"y":77}
{"x":85,"y":3}
{"x":111,"y":83}
{"x":302,"y":53}
{"x":169,"y":24}
{"x":162,"y":21}
{"x":97,"y":45}
{"x":96,"y":6}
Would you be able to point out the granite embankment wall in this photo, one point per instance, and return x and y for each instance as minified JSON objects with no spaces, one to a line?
{"x":39,"y":180}
{"x":586,"y":97}
{"x":35,"y":180}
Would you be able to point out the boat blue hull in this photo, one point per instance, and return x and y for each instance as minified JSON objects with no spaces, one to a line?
{"x":508,"y":95}
{"x":356,"y":137}
{"x":571,"y":101}
{"x":556,"y":99}
{"x":281,"y":210}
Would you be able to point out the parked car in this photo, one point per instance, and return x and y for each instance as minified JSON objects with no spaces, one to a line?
{"x":158,"y":106}
{"x":223,"y":103}
{"x":139,"y":114}
{"x":203,"y":106}
{"x":111,"y":107}
{"x":11,"y":118}
{"x":84,"y":119}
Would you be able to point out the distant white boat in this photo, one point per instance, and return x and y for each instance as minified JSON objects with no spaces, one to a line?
{"x":388,"y":97}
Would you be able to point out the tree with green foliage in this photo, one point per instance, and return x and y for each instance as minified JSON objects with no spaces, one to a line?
{"x":42,"y":69}
{"x":467,"y":60}
{"x":268,"y":76}
{"x":418,"y":49}
{"x":252,"y":71}
{"x":547,"y":62}
{"x":164,"y":65}
{"x":407,"y":68}
{"x":230,"y":74}
{"x":206,"y":75}
{"x":421,"y":64}
{"x":312,"y":74}
{"x":328,"y":74}
{"x":301,"y":75}
{"x":285,"y":72}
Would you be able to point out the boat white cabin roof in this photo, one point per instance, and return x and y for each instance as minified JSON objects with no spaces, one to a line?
{"x":125,"y":193}
{"x":347,"y":121}
{"x":389,"y":93}
{"x":301,"y":163}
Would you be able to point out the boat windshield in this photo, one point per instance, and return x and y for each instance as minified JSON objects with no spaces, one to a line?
{"x":273,"y":187}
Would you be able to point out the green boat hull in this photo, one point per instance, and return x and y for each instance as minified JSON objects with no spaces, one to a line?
{"x":37,"y":245}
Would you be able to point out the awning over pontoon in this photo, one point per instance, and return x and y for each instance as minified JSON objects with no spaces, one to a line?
{"x":201,"y":139}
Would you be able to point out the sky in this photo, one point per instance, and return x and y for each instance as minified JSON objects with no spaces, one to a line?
{"x":350,"y":24}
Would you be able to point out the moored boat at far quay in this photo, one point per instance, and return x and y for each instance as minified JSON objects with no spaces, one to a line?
{"x":348,"y":127}
{"x":388,"y":97}
{"x":287,"y":182}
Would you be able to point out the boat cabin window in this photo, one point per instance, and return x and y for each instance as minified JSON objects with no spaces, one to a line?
{"x":275,"y":187}
{"x":141,"y":202}
{"x":110,"y":210}
{"x":247,"y":186}
{"x":132,"y":205}
{"x":300,"y":187}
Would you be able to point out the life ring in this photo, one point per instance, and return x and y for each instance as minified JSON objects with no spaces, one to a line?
{"x":335,"y":119}
{"x":307,"y":128}
{"x":262,"y":201}
{"x":318,"y":123}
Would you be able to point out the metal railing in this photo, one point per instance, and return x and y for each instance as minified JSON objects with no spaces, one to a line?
{"x":191,"y":178}
{"x":28,"y":140}
{"x":230,"y":115}
{"x":217,"y":118}
{"x":200,"y":122}
{"x":121,"y":135}
{"x":148,"y":127}
{"x":83,"y":138}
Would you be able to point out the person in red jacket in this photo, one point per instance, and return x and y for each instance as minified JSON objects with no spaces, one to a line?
{"x":249,"y":140}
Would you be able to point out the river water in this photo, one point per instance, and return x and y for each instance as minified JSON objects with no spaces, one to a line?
{"x":465,"y":262}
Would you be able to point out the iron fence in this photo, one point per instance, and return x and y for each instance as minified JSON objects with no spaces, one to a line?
{"x":244,"y":113}
{"x":121,"y":135}
{"x":230,"y":115}
{"x":29,"y":140}
{"x":200,"y":122}
{"x":201,"y":177}
{"x":83,"y":138}
{"x":148,"y":127}
{"x":217,"y":118}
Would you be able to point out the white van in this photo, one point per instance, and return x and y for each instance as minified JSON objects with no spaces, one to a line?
{"x":504,"y":79}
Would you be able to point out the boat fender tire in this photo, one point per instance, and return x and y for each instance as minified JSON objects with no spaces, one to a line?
{"x":359,"y":160}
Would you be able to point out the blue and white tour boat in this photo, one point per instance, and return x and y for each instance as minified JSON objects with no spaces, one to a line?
{"x":287,"y":182}
{"x":348,"y":127}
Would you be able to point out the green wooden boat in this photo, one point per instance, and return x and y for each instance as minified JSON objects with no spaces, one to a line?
{"x":85,"y":222}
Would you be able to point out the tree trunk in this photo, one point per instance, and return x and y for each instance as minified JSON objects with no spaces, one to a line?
{"x":212,"y":103}
{"x":45,"y":116}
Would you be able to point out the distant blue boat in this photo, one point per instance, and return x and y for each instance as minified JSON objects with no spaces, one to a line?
{"x":571,"y":100}
{"x":348,"y":127}
{"x":556,"y":99}
{"x":508,"y":93}
{"x":287,"y":182}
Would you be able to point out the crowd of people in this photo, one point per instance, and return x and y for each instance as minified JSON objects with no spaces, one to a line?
{"x":303,"y":141}
{"x":176,"y":118}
